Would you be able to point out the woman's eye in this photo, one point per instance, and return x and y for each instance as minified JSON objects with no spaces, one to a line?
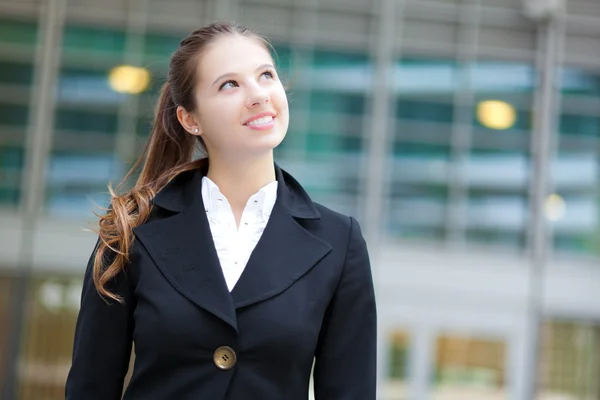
{"x":269,"y":74}
{"x":228,"y":85}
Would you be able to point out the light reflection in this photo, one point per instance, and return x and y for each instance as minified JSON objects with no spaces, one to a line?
{"x":555,"y":207}
{"x":496,"y":114}
{"x":129,"y":79}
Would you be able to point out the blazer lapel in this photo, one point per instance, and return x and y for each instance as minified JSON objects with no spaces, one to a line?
{"x":183,"y":249}
{"x":285,"y":252}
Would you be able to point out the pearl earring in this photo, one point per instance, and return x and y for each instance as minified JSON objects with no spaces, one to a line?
{"x":195,"y":130}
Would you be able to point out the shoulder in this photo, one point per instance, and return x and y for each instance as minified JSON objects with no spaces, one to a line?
{"x":342,"y":226}
{"x":334,"y":218}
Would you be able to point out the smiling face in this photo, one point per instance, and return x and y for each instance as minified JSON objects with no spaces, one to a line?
{"x":242,"y":107}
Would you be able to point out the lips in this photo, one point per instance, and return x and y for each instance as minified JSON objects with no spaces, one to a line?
{"x":262,"y":118}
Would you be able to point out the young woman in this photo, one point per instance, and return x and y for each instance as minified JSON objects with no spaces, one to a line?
{"x":221,"y":271}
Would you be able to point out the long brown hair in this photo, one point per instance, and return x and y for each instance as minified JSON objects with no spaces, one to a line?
{"x":169,"y":151}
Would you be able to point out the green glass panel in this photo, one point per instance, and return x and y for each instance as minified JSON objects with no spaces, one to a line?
{"x":415,"y":61}
{"x":16,"y":72}
{"x":11,"y":114}
{"x":319,"y":143}
{"x":86,"y":121}
{"x":420,"y":150}
{"x":93,"y":39}
{"x":582,"y":125}
{"x":337,"y":102}
{"x":10,"y":196}
{"x":143,"y":127}
{"x":331,"y":58}
{"x":162,"y":45}
{"x":157,"y":80}
{"x":411,"y":109}
{"x":282,"y":56}
{"x":580,"y":82}
{"x":18,"y":32}
{"x":11,"y":158}
{"x":70,"y":72}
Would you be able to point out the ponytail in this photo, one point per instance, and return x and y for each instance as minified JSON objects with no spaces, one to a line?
{"x":168,"y":152}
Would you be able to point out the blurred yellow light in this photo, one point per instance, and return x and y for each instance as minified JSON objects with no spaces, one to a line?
{"x":555,"y":207}
{"x":129,"y":79}
{"x":496,"y":114}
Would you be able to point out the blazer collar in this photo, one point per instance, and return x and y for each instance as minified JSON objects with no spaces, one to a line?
{"x":180,"y":192}
{"x":182,"y":247}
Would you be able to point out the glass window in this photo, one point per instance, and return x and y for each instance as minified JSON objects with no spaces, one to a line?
{"x":576,"y":81}
{"x":6,"y":285}
{"x":48,"y":338}
{"x":573,"y":210}
{"x":423,"y":109}
{"x":283,"y":60}
{"x":498,"y":164}
{"x":424,"y":112}
{"x":323,"y":101}
{"x":77,"y":181}
{"x":79,"y":40}
{"x":469,"y":368}
{"x":419,"y":190}
{"x":86,"y":87}
{"x":326,"y":136}
{"x":86,"y":121}
{"x":11,"y":162}
{"x":162,"y":45}
{"x":569,"y":361}
{"x":395,"y":385}
{"x":14,"y":115}
{"x":14,"y":72}
{"x":18,"y":37}
{"x":18,"y":32}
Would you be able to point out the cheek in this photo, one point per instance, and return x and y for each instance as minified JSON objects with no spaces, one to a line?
{"x":280,"y":101}
{"x":217,"y":114}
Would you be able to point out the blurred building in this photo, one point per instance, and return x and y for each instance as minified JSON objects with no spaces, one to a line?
{"x":463,"y":135}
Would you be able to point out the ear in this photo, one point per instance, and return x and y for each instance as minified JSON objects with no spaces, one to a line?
{"x":189,"y":121}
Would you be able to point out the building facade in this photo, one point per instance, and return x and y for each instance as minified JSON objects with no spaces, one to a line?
{"x":462,"y":134}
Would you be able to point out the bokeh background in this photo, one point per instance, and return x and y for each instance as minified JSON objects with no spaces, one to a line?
{"x":462,"y":134}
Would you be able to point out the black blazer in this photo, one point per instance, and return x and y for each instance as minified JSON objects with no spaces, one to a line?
{"x":306,"y":294}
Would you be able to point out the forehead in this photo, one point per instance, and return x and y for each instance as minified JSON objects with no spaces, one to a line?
{"x":232,"y":54}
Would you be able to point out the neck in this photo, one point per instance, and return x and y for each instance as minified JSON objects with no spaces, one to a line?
{"x":240,"y":179}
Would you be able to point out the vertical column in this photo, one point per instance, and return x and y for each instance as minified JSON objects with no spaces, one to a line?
{"x":39,"y":141}
{"x":456,"y":213}
{"x":551,"y":34}
{"x":41,"y":114}
{"x":126,"y":138}
{"x":226,"y":10}
{"x":305,"y":20}
{"x":420,"y":362}
{"x":379,"y":126}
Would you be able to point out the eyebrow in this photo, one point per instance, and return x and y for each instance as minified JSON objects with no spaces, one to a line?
{"x":232,"y":73}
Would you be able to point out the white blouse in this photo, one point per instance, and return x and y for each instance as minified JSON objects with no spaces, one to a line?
{"x":234,"y":246}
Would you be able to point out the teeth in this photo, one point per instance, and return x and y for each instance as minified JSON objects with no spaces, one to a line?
{"x":261,"y":121}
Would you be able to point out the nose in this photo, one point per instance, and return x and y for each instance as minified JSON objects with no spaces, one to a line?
{"x":258,"y":97}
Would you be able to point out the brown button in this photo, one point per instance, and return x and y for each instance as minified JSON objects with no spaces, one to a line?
{"x":224,"y":358}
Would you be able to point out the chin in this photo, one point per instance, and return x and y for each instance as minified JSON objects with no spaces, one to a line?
{"x":269,"y":141}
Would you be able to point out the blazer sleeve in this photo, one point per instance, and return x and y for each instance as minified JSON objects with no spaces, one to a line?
{"x":346,"y":355}
{"x":102,"y":343}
